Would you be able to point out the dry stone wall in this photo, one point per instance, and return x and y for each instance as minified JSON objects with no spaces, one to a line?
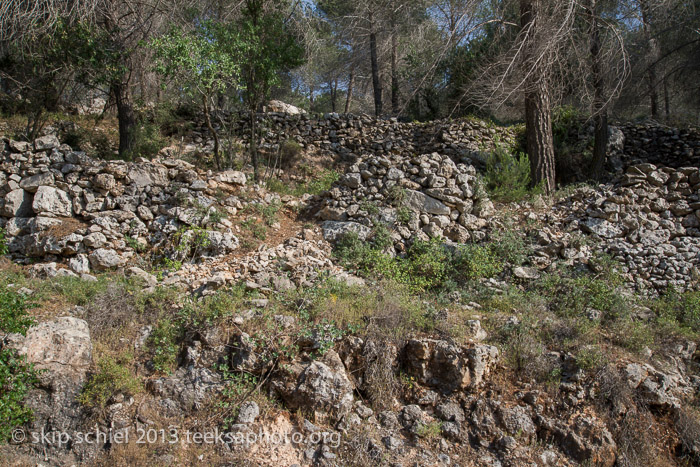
{"x":57,"y":203}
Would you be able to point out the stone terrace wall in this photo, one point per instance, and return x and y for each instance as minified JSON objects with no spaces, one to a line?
{"x":660,"y":145}
{"x":58,"y":203}
{"x":362,"y":134}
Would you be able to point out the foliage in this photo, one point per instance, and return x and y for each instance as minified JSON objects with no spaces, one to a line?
{"x":74,"y":290}
{"x":203,"y":62}
{"x":17,"y":377}
{"x":236,"y":387}
{"x":473,"y":262}
{"x":163,"y":344}
{"x":112,"y":378}
{"x":198,"y":59}
{"x":14,"y":317}
{"x":426,"y":265}
{"x":190,"y":242}
{"x":322,"y":183}
{"x":3,"y":243}
{"x":507,"y":175}
{"x":290,"y":151}
{"x":680,"y":308}
{"x":510,"y":247}
{"x":147,"y":141}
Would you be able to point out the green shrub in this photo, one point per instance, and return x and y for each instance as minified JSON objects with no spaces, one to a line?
{"x":74,"y":289}
{"x":14,"y":317}
{"x":17,"y":377}
{"x":590,"y":358}
{"x":148,"y":141}
{"x":290,"y":151}
{"x":3,"y":243}
{"x":404,"y":215}
{"x":507,"y":175}
{"x":112,"y":378}
{"x":397,"y":195}
{"x":510,"y":247}
{"x":163,"y":344}
{"x":473,"y":262}
{"x":680,"y":308}
{"x":321,"y":183}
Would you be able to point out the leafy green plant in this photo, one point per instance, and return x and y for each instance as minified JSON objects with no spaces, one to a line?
{"x":190,"y":242}
{"x":473,"y":262}
{"x":3,"y":243}
{"x":430,"y":430}
{"x":17,"y":377}
{"x":134,"y":243}
{"x":322,"y":183}
{"x":205,"y":62}
{"x":112,"y":378}
{"x":510,"y":247}
{"x":397,"y":195}
{"x":163,"y":343}
{"x":404,"y":215}
{"x":289,"y":151}
{"x":507,"y":175}
{"x":236,"y":387}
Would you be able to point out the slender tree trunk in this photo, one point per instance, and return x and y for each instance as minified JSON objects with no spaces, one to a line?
{"x":394,"y":76}
{"x":351,"y":83}
{"x":126,"y":117}
{"x":254,"y":143}
{"x":376,"y":83}
{"x":667,"y":103}
{"x":214,"y":134}
{"x":333,"y":86}
{"x":538,"y":114}
{"x":600,"y":112}
{"x":654,"y":54}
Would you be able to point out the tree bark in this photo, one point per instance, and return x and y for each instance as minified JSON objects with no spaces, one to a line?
{"x":333,"y":85}
{"x":376,"y":83}
{"x":394,"y":76}
{"x":654,"y":54}
{"x":538,"y":116}
{"x":351,"y":83}
{"x":254,"y":144}
{"x":600,"y":112}
{"x":126,"y":117}
{"x":214,"y":134}
{"x":667,"y":103}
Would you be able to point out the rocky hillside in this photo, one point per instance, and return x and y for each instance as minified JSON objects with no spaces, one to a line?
{"x":396,"y":316}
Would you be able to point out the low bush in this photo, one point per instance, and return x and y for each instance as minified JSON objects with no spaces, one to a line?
{"x":507,"y":175}
{"x":290,"y":152}
{"x":3,"y":242}
{"x":473,"y":262}
{"x":164,"y":345}
{"x":17,"y":377}
{"x":111,"y":379}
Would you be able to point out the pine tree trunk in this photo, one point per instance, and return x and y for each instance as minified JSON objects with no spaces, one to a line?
{"x":254,"y":144}
{"x":126,"y":118}
{"x":654,"y":54}
{"x":600,"y":112}
{"x":376,"y":83}
{"x":214,"y":134}
{"x":538,"y":115}
{"x":351,"y":84}
{"x":394,"y":76}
